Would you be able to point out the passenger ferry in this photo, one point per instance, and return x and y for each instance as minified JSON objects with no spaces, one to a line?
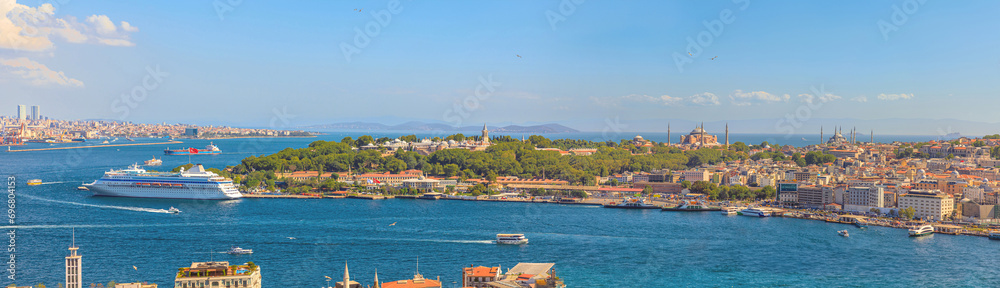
{"x":995,"y":235}
{"x":511,"y":239}
{"x":210,"y":149}
{"x":921,"y":231}
{"x":196,"y":183}
{"x":755,"y":212}
{"x":239,"y":251}
{"x":731,"y":210}
{"x":632,"y":203}
{"x":34,"y":182}
{"x":173,"y":210}
{"x":692,"y":206}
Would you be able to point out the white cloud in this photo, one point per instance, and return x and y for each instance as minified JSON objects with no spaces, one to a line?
{"x":36,"y":73}
{"x":128,"y":27}
{"x":740,"y":98}
{"x":893,"y":97}
{"x":705,"y":99}
{"x":861,"y":99}
{"x":28,"y":28}
{"x":809,"y":98}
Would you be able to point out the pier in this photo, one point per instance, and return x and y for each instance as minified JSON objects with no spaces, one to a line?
{"x":94,"y":146}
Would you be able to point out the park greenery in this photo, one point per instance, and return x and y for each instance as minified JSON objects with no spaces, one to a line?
{"x":506,"y":157}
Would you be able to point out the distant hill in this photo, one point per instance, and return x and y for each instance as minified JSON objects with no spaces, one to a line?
{"x":417,"y":126}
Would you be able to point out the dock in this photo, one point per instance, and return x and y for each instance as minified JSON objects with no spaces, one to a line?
{"x":93,"y":146}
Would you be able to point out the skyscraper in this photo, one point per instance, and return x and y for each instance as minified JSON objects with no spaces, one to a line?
{"x":34,"y":112}
{"x":22,"y":112}
{"x":74,"y":275}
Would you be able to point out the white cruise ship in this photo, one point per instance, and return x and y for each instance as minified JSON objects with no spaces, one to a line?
{"x":192,"y":184}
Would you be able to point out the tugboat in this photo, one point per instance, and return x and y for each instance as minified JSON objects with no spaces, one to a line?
{"x":173,"y":210}
{"x":239,"y":251}
{"x":843,"y":233}
{"x":921,"y":231}
{"x":632,"y":203}
{"x":153,"y":162}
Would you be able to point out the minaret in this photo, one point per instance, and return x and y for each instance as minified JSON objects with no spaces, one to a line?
{"x":873,"y":137}
{"x":74,"y":275}
{"x":820,"y":135}
{"x":347,"y":277}
{"x":702,"y":138}
{"x":668,"y":133}
{"x":376,"y":280}
{"x":486,"y":135}
{"x":727,"y":134}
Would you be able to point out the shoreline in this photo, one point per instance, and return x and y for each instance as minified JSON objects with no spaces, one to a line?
{"x":602,"y":201}
{"x":93,"y":146}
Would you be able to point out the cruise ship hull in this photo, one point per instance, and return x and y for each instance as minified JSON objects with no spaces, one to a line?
{"x":167,"y":193}
{"x":186,"y":152}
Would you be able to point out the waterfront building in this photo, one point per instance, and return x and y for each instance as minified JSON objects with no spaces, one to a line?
{"x":135,"y":285}
{"x":218,"y":274}
{"x":814,"y":196}
{"x":536,"y":275}
{"x":74,"y":266}
{"x":928,"y":204}
{"x":976,"y":211}
{"x":865,"y":197}
{"x":659,"y":187}
{"x":418,"y":281}
{"x":479,"y":276}
{"x":421,"y":184}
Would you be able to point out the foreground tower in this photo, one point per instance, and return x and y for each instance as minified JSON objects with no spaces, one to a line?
{"x":74,"y":275}
{"x":727,"y":134}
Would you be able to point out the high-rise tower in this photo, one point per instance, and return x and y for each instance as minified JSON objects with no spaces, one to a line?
{"x":74,"y":275}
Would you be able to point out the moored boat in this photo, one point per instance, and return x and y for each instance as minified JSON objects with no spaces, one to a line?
{"x":632,"y":203}
{"x":692,"y":206}
{"x":153,"y":162}
{"x":731,"y":210}
{"x":511,"y":239}
{"x":995,"y":235}
{"x":755,"y":212}
{"x":923,"y":230}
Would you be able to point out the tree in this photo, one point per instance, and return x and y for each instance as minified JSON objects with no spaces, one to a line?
{"x":647,"y":190}
{"x":739,"y":147}
{"x":685,"y":184}
{"x":395,"y":165}
{"x":347,"y":140}
{"x":768,"y":192}
{"x":450,"y":170}
{"x":364,"y":140}
{"x":491,"y":176}
{"x":907,"y":213}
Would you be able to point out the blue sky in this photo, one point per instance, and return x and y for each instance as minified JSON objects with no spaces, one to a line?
{"x":579,"y":62}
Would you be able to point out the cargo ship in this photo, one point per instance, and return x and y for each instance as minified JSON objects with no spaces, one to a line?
{"x":196,"y":183}
{"x":210,"y":149}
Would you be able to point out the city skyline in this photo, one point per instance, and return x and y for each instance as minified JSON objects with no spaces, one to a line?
{"x":577,"y":64}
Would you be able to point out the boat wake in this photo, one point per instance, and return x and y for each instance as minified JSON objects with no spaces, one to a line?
{"x":47,"y":183}
{"x":137,"y":209}
{"x":436,"y":240}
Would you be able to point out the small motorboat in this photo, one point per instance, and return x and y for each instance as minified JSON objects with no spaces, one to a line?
{"x":82,"y":188}
{"x":843,"y":233}
{"x":239,"y":251}
{"x":34,"y":182}
{"x":173,"y":210}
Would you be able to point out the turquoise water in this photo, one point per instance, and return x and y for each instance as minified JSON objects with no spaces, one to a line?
{"x":592,"y":247}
